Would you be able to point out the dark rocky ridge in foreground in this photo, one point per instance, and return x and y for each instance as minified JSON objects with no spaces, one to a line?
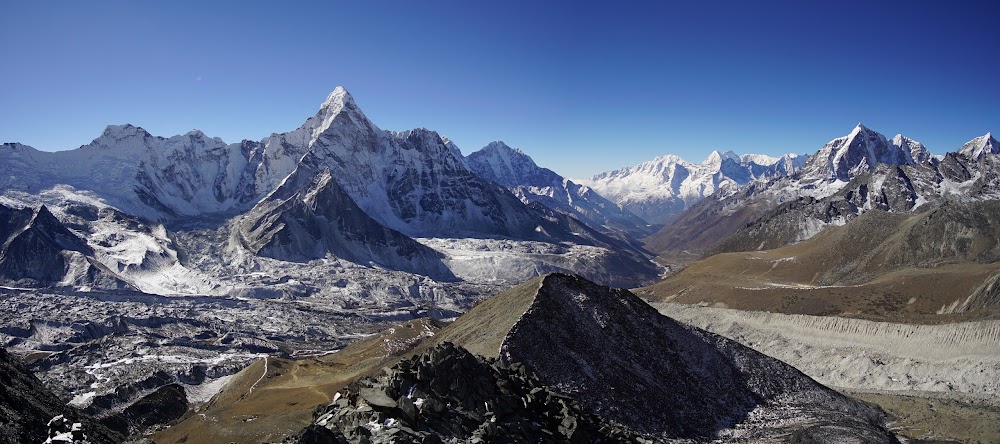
{"x":447,"y":394}
{"x":618,"y":360}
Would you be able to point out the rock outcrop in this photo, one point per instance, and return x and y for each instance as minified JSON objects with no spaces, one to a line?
{"x":447,"y":394}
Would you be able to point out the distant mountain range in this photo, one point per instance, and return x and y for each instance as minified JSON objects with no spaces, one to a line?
{"x":338,"y":186}
{"x":662,"y":188}
{"x":846,"y":177}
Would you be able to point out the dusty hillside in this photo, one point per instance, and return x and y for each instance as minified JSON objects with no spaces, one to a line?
{"x":936,"y":266}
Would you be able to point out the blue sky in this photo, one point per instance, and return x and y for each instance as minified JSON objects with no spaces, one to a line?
{"x":582,"y":87}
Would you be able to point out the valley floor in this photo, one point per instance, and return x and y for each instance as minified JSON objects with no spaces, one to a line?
{"x":931,"y":418}
{"x":940,"y":382}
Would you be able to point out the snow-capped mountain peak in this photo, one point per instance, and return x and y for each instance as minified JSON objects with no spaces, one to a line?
{"x":860,"y":151}
{"x":337,"y":99}
{"x":763,"y":159}
{"x":516,"y":171}
{"x":980,"y":146}
{"x":716,"y":158}
{"x":501,"y":147}
{"x":659,"y":189}
{"x":917,"y":151}
{"x":197,"y":134}
{"x":497,"y":162}
{"x":116,"y":134}
{"x":338,"y":104}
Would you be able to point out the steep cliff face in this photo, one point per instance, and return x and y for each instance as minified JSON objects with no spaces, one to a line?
{"x":307,"y":218}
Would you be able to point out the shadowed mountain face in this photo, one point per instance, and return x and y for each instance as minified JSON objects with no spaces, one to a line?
{"x":27,"y":406}
{"x":618,"y":359}
{"x":448,"y":394}
{"x":881,"y":240}
{"x":309,"y":217}
{"x":38,"y":250}
{"x":625,"y":361}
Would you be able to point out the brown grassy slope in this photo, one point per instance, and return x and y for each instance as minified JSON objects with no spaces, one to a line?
{"x":483,"y":328}
{"x":282,"y":398}
{"x":880,"y":266}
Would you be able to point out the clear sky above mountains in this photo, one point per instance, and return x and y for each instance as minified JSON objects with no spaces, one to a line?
{"x":582,"y":87}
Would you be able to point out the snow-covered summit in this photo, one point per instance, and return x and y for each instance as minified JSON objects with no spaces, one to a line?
{"x":716,"y":158}
{"x":123,"y":138}
{"x":338,"y":98}
{"x":980,"y":146}
{"x":340,"y":104}
{"x":861,"y":151}
{"x":510,"y":167}
{"x":762,"y":159}
{"x":659,"y":189}
{"x":119,"y":132}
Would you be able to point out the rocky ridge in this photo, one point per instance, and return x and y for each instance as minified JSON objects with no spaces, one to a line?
{"x":447,"y":394}
{"x":305,"y":221}
{"x":39,"y":251}
{"x":583,"y":342}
